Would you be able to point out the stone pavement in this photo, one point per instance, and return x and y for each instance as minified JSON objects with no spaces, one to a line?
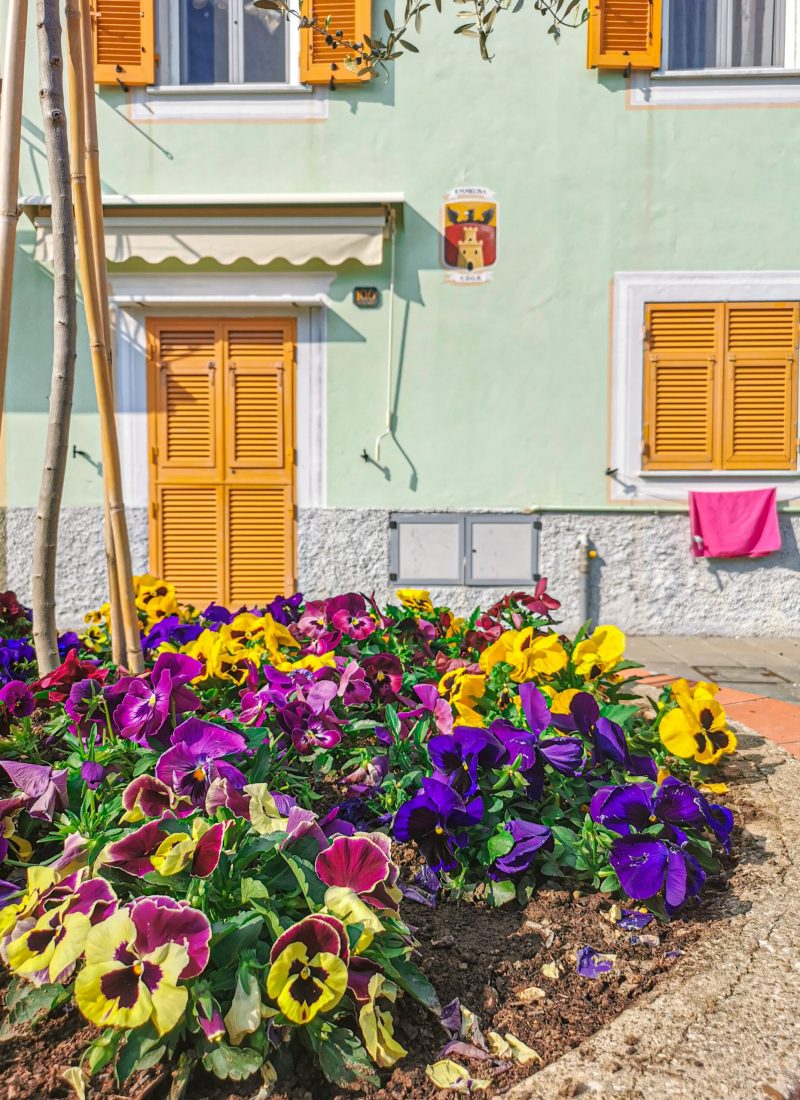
{"x":759,"y":678}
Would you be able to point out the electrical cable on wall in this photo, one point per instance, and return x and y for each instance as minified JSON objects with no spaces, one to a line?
{"x":390,"y":351}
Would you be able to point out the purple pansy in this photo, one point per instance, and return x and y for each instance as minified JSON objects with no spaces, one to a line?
{"x":436,"y":818}
{"x":368,"y":777}
{"x":45,"y":788}
{"x":349,"y":614}
{"x":607,"y":737}
{"x":456,"y":756}
{"x":636,"y":806}
{"x":285,"y":609}
{"x":17,"y":698}
{"x":529,"y":838}
{"x":362,"y":864}
{"x":385,"y":673}
{"x":92,"y":774}
{"x":353,"y":687}
{"x":645,"y":866}
{"x":161,"y":920}
{"x":144,"y":709}
{"x":564,"y":754}
{"x":194,"y":760}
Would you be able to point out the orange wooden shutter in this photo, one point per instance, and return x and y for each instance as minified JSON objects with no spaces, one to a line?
{"x":682,"y":385}
{"x":124,"y":41}
{"x":321,"y":60}
{"x":624,"y":34}
{"x":760,"y":387}
{"x":187,"y":499}
{"x":259,"y":456}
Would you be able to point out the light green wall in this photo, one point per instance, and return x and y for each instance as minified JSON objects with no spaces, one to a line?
{"x":503,"y":388}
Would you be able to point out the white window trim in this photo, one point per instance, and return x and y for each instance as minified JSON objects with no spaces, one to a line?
{"x":172,"y":101}
{"x":632,"y":290}
{"x":723,"y":87}
{"x":303,"y":296}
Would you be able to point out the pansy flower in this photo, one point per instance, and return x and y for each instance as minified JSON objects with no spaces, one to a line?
{"x":385,"y":673}
{"x":636,"y":806}
{"x":133,"y":971}
{"x":198,"y":851}
{"x":456,"y":756}
{"x":349,"y":615}
{"x":58,"y":682}
{"x":363,"y":864}
{"x":697,"y":728}
{"x":599,"y":653}
{"x":416,"y":599}
{"x":46,"y":789}
{"x":308,"y":967}
{"x":533,"y":655}
{"x":529,"y":838}
{"x":285,"y":609}
{"x":45,"y":946}
{"x":146,"y":796}
{"x":646,"y":866}
{"x":194,"y":760}
{"x":377,"y":1026}
{"x":353,"y":686}
{"x":17,"y":698}
{"x":607,"y":737}
{"x":436,"y":818}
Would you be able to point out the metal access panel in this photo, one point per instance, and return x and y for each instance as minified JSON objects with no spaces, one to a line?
{"x":427,"y":548}
{"x":502,"y":549}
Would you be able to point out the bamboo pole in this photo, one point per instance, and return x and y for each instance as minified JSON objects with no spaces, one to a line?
{"x":10,"y":143}
{"x":45,"y":538}
{"x":89,"y":212}
{"x":91,"y":282}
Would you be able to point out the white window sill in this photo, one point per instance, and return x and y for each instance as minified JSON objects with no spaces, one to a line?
{"x":717,"y":475}
{"x":716,"y":88}
{"x":219,"y":90}
{"x":228,"y":102}
{"x":773,"y":73}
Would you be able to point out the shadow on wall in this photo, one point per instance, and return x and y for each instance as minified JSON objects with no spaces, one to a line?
{"x":788,"y":557}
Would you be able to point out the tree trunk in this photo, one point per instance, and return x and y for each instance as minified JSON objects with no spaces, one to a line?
{"x":10,"y":142}
{"x":51,"y":94}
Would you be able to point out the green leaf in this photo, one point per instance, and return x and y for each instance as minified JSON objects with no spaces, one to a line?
{"x":253,"y":889}
{"x":232,"y":1063}
{"x":143,"y":1050}
{"x":343,"y":1059}
{"x":564,"y":836}
{"x":500,"y":844}
{"x":27,"y":1003}
{"x":409,"y":46}
{"x":181,"y":1075}
{"x":619,"y":713}
{"x":413,"y":981}
{"x":501,"y":893}
{"x":102,"y":1050}
{"x":388,"y":20}
{"x":233,"y":936}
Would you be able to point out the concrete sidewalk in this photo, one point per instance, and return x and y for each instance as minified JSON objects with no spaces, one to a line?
{"x":759,"y":678}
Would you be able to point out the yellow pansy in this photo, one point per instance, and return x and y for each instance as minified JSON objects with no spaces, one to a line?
{"x":345,"y":904}
{"x":461,"y":687}
{"x":560,"y":701}
{"x":415,"y":599}
{"x":599,"y":653}
{"x":497,"y":651}
{"x":310,"y":661}
{"x":265,"y":817}
{"x":697,"y":728}
{"x":533,"y":655}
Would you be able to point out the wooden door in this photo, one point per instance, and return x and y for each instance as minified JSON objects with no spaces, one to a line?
{"x":222,"y":458}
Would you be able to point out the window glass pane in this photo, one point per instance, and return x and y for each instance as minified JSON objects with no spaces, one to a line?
{"x":204,"y":41}
{"x":264,"y":46}
{"x":693,"y":34}
{"x":758,"y":35}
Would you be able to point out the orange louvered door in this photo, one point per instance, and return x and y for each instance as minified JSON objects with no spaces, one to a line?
{"x":222,"y":451}
{"x":760,"y":387}
{"x":124,"y":42}
{"x":624,"y":34}
{"x":682,"y":385}
{"x":259,"y":456}
{"x":324,"y":46}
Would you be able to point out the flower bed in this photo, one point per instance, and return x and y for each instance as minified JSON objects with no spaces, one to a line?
{"x":219,"y":863}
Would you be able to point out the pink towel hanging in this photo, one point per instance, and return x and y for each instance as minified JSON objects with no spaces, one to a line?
{"x":739,"y":524}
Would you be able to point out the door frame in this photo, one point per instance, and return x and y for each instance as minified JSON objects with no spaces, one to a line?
{"x":152,"y":324}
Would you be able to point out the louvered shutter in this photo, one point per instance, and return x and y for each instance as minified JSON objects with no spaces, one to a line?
{"x":124,"y":42}
{"x":189,"y":540}
{"x":760,"y":387}
{"x":186,"y":409}
{"x":624,"y":34}
{"x":681,"y":385}
{"x":322,"y":60}
{"x":259,"y":449}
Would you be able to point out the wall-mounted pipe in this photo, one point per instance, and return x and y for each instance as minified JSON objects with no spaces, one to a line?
{"x":585,"y":556}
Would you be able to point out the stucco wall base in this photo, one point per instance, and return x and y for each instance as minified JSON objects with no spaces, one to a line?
{"x":643,"y":577}
{"x":81,"y":579}
{"x":724,"y":1025}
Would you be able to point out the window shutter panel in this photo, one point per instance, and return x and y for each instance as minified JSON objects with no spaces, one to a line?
{"x":321,"y":61}
{"x":186,"y":410}
{"x":760,"y":387}
{"x":624,"y":34}
{"x":188,"y":531}
{"x":259,"y":449}
{"x":682,"y":372}
{"x":124,"y":42}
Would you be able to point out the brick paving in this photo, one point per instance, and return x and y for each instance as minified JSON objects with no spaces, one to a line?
{"x":759,"y":678}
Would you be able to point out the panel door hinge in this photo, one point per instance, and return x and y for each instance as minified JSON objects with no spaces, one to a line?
{"x":392,"y":524}
{"x":154,"y":455}
{"x":392,"y":576}
{"x":153,"y":508}
{"x":537,"y":525}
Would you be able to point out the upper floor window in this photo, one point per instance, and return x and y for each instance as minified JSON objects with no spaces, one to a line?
{"x":225,"y":42}
{"x":728,"y":34}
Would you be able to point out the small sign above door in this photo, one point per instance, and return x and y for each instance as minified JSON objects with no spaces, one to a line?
{"x":366,"y":297}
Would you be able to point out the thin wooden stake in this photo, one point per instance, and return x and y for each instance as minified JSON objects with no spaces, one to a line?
{"x":90,"y":281}
{"x":89,"y":213}
{"x":45,"y":537}
{"x":10,"y":143}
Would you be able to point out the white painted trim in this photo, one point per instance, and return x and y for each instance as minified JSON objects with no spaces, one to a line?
{"x":136,"y":297}
{"x":632,"y":290}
